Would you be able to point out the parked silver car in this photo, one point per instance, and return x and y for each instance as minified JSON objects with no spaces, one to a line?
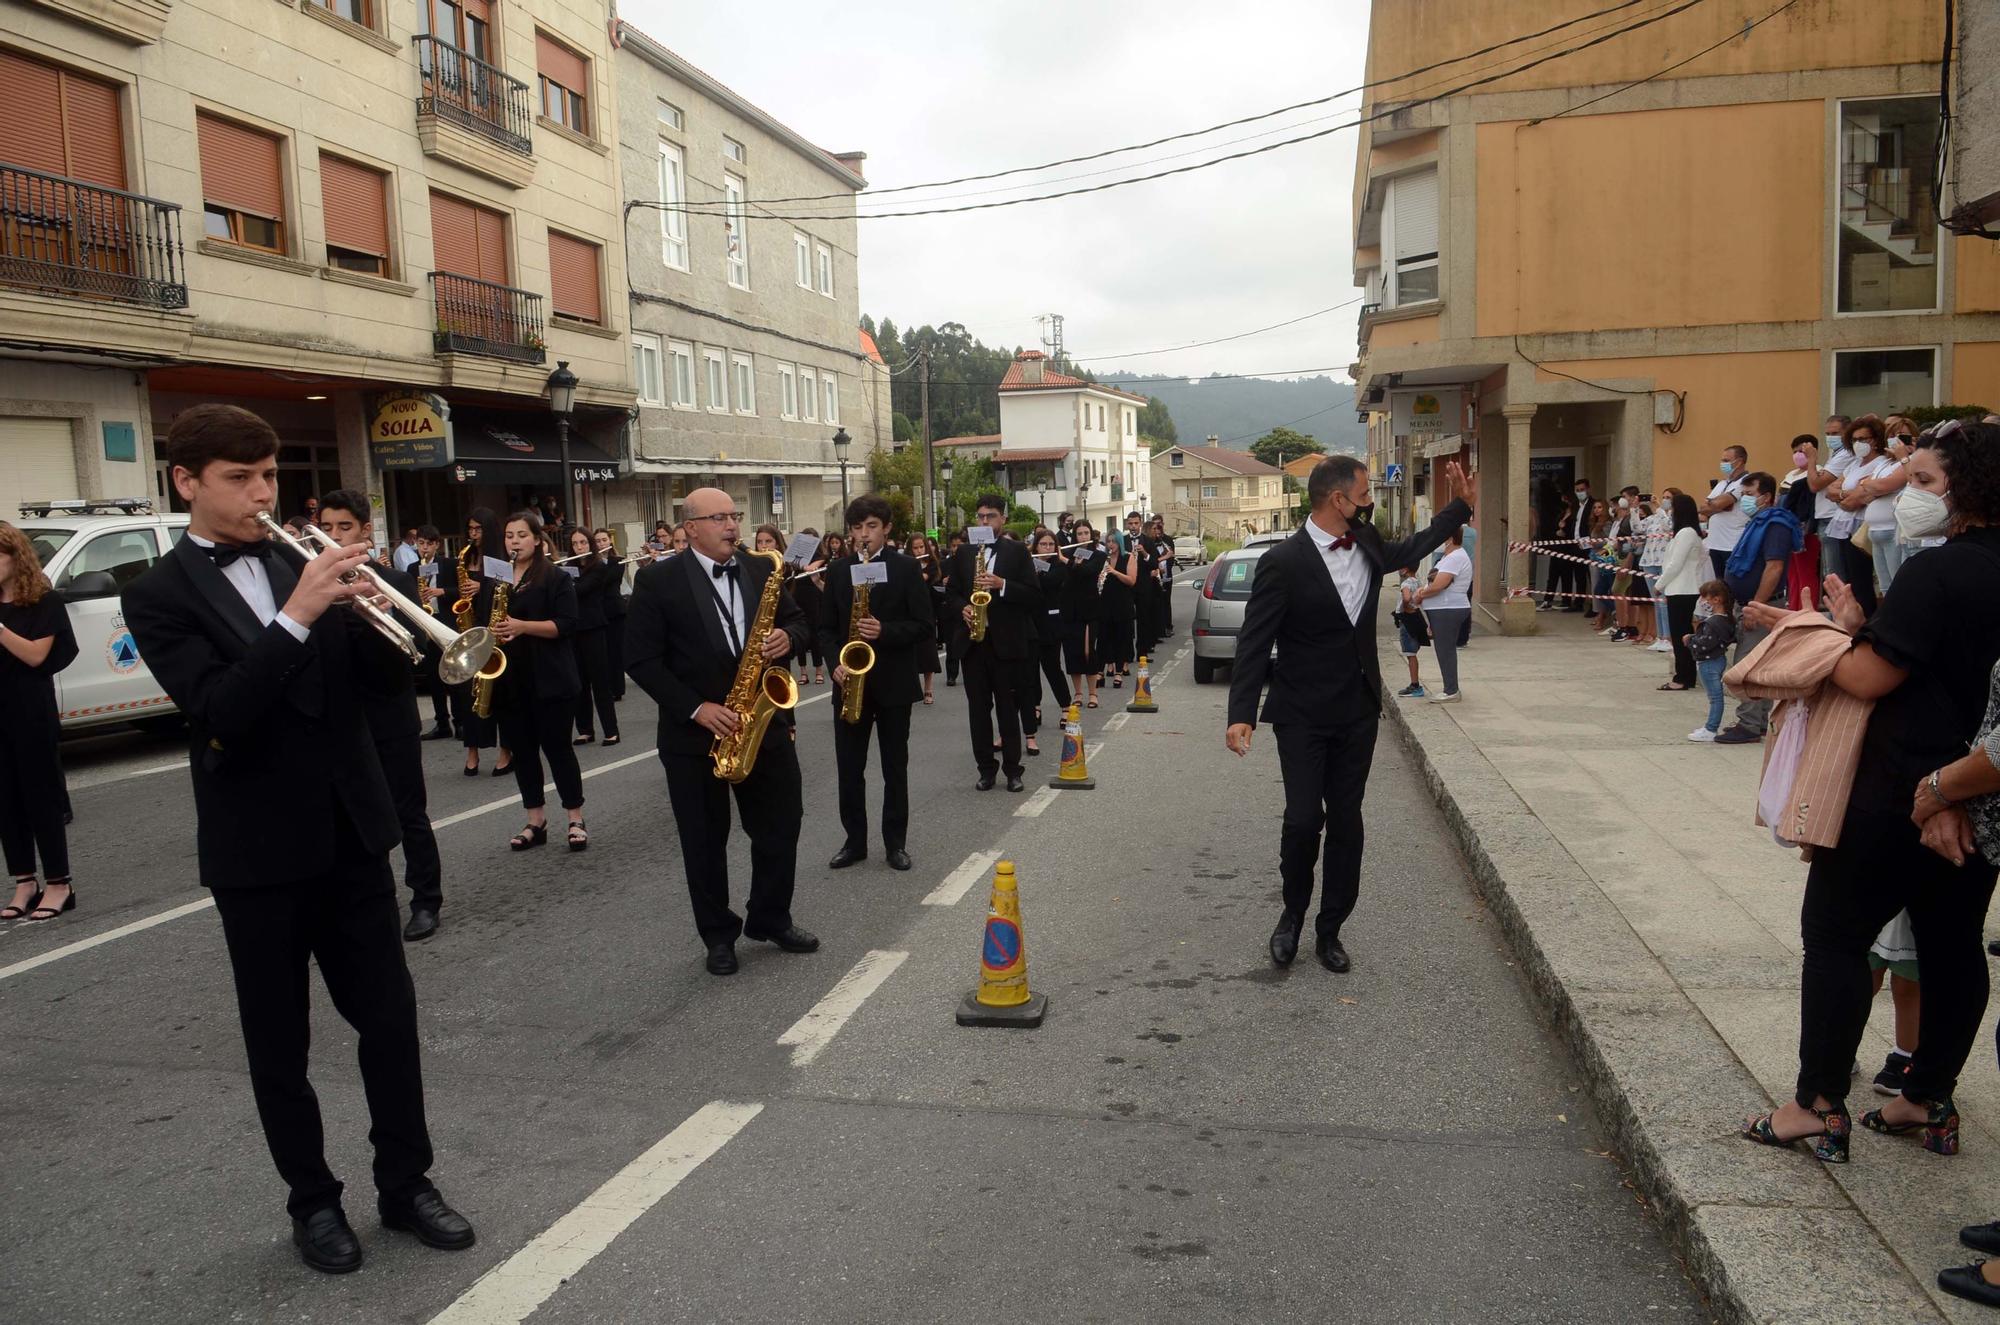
{"x":1218,"y":610}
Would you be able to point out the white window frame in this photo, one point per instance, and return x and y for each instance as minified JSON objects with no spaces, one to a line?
{"x":733,"y":150}
{"x":1086,"y":416}
{"x":670,"y":115}
{"x":1209,"y":491}
{"x":1131,"y":422}
{"x":829,"y":384}
{"x":736,"y":226}
{"x":809,"y":393}
{"x":1392,"y":267}
{"x":1936,"y":352}
{"x":715,"y":380}
{"x":1100,"y":419}
{"x":743,"y":383}
{"x":681,"y":382}
{"x":1833,"y":246}
{"x":824,"y":261}
{"x":651,"y":382}
{"x":788,"y":391}
{"x":801,"y":261}
{"x":673,"y":213}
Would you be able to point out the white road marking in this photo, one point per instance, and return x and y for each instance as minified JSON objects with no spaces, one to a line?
{"x":510,"y":1291}
{"x":960,"y":880}
{"x":84,"y":945}
{"x":86,"y":781}
{"x":814,"y":1031}
{"x":1092,"y":750}
{"x":1032,"y":807}
{"x":1115,"y":721}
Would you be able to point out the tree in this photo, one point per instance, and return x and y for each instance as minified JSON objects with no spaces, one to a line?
{"x":905,"y":432}
{"x":1155,"y":421}
{"x":1155,"y":445}
{"x":1279,"y":445}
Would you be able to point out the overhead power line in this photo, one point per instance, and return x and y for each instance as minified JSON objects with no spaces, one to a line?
{"x":1743,"y":31}
{"x":1219,"y":340}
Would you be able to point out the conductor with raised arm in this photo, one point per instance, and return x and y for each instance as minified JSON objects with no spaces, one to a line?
{"x":293,"y":820}
{"x":1314,"y":598}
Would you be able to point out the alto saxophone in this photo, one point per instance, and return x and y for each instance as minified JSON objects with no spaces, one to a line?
{"x":857,"y":656}
{"x":482,"y":684}
{"x":462,"y":609}
{"x":759,"y":690}
{"x":981,"y":600}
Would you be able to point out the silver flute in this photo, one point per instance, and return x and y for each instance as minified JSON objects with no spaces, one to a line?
{"x":461,"y":655}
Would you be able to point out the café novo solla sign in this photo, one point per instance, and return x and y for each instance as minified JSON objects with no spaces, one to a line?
{"x":410,"y":430}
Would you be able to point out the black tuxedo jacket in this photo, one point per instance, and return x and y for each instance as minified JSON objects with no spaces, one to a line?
{"x":278,"y":743}
{"x":1326,"y":673}
{"x":390,"y":700}
{"x":1010,"y":618}
{"x":541,"y":670}
{"x":903,"y":606}
{"x":596,"y":585}
{"x":677,"y":651}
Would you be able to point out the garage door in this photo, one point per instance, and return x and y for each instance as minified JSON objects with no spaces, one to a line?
{"x":37,"y":462}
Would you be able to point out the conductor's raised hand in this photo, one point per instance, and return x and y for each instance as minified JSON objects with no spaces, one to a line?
{"x":1457,"y":485}
{"x":320,"y":585}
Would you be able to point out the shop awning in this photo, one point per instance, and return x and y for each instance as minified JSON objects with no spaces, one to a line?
{"x":504,"y":446}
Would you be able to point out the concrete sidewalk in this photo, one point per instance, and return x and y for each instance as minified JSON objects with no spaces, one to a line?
{"x":1660,"y":925}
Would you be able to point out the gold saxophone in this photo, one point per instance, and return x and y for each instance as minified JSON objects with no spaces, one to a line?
{"x":981,"y":600}
{"x":482,"y":684}
{"x":462,"y":609}
{"x":857,"y":656}
{"x":759,"y":690}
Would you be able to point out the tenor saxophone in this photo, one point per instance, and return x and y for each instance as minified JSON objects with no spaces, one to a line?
{"x":482,"y":684}
{"x":857,"y":656}
{"x":759,"y":690}
{"x":981,"y":600}
{"x":461,"y":610}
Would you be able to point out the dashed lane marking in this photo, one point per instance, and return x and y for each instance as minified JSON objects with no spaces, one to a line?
{"x":512,"y":1290}
{"x":814,"y":1031}
{"x":971,"y":871}
{"x":1032,"y":807}
{"x":98,"y":940}
{"x":1114,"y":722}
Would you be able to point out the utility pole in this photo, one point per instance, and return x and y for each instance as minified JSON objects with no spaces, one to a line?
{"x":924,"y":410}
{"x":1201,"y":526}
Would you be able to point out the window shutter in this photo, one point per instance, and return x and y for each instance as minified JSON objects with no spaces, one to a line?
{"x":468,"y":240}
{"x":560,"y":64}
{"x":357,"y":206}
{"x":573,"y":277}
{"x":1416,"y":212}
{"x":37,"y":461}
{"x":31,"y":132}
{"x":240,"y":168}
{"x":96,"y":139}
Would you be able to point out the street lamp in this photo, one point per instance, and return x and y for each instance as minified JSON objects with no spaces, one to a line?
{"x":562,"y":398}
{"x":1042,"y":498}
{"x":840,"y":444}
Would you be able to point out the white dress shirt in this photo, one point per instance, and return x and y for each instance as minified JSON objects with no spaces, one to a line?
{"x":728,"y":598}
{"x":252,"y":581}
{"x":406,"y":556}
{"x":1348,"y":567}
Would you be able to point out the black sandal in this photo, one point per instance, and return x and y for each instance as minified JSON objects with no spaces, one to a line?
{"x":533,"y":835}
{"x":1829,"y":1146}
{"x":1675,"y":685}
{"x":610,"y":741}
{"x":588,"y":738}
{"x":578,"y":838}
{"x":1939,"y":1126}
{"x":11,"y":912}
{"x":69,"y":904}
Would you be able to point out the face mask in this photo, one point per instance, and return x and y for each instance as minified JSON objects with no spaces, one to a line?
{"x":1800,"y":459}
{"x":1583,"y":492}
{"x":1921,"y":514}
{"x":1834,"y":439}
{"x":1728,"y":468}
{"x":1862,"y":450}
{"x":1749,"y":502}
{"x":1624,"y":503}
{"x":1363,"y":514}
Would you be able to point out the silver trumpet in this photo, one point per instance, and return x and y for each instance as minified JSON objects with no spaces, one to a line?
{"x":462,"y":655}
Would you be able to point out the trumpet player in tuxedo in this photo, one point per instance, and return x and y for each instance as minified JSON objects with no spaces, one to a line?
{"x":994,"y":580}
{"x":897,"y":622}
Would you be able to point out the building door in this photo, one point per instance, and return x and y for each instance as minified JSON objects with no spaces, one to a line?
{"x":37,"y":463}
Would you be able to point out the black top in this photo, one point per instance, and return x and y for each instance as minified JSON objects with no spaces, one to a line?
{"x":1117,"y":600}
{"x":596,"y":584}
{"x":1053,"y":576}
{"x":28,"y":694}
{"x":903,"y":606}
{"x":1942,"y":625}
{"x":542,"y":669}
{"x":1079,"y":586}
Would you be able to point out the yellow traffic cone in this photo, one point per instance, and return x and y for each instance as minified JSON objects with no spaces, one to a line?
{"x":1002,"y":998}
{"x":1142,"y":693}
{"x":1073,"y":774}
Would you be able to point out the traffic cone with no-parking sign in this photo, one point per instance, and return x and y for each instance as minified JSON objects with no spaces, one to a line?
{"x":1002,"y":998}
{"x":1073,"y":774}
{"x":1142,"y":693}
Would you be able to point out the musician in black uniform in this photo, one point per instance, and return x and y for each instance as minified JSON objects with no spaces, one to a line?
{"x":614,"y":613}
{"x":596,"y":585}
{"x":535,"y":697}
{"x":391,"y":709}
{"x":293,"y":819}
{"x":996,"y":667}
{"x":898,"y":624}
{"x":685,"y":632}
{"x":488,"y":565}
{"x":437,"y":593}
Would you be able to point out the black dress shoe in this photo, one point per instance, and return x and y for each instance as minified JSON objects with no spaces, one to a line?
{"x":422,"y":925}
{"x":1014,"y":782}
{"x":438,"y":734}
{"x":1982,"y":1237}
{"x":722,"y":959}
{"x":985,"y":782}
{"x":844,"y":857}
{"x":1967,"y":1282}
{"x":791,"y":938}
{"x":326,"y":1243}
{"x":1285,"y":941}
{"x":1332,"y":956}
{"x":434,"y":1223}
{"x":899,"y":859}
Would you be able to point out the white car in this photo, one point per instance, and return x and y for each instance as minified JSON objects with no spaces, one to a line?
{"x":1190,"y":550}
{"x":90,"y":552}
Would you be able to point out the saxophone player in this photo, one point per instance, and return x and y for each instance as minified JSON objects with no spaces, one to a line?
{"x":686,"y":629}
{"x":899,"y":618}
{"x":996,"y":666}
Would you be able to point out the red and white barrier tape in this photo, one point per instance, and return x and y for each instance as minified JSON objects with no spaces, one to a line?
{"x":1565,"y":593}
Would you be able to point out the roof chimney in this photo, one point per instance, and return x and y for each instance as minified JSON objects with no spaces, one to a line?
{"x":1033,"y":363}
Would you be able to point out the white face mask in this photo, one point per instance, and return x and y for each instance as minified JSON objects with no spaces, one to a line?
{"x":1921,"y":513}
{"x":1624,"y":503}
{"x":1862,"y":450}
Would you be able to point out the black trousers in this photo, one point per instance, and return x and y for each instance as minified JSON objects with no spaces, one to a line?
{"x":593,"y":666}
{"x":891,"y":725}
{"x":1326,"y":776}
{"x":1857,"y":568}
{"x":345,"y":921}
{"x":1167,"y":608}
{"x":1680,"y":621}
{"x":537,"y":729}
{"x":403,"y":768}
{"x":1881,"y":867}
{"x":1146,"y":623}
{"x":1050,"y":660}
{"x":1569,"y":577}
{"x":952,"y":658}
{"x":769,"y":800}
{"x":440,"y":692}
{"x":32,"y":800}
{"x":994,"y":685}
{"x":614,"y":648}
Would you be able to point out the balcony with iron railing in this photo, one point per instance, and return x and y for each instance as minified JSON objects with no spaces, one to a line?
{"x":493,"y":110}
{"x":480,"y":317}
{"x":63,"y":236}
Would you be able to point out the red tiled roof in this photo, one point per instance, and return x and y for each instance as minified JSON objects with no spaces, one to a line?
{"x":868,"y":347}
{"x":993,"y":440}
{"x":1238,"y":462}
{"x":1052,"y":380}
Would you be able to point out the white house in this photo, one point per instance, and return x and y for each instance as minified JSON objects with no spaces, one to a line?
{"x":1079,"y":437}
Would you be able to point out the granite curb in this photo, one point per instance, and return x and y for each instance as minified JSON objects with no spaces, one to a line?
{"x":1768,"y":1235}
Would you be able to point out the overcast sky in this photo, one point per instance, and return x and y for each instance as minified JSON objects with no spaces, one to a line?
{"x":958,"y":88}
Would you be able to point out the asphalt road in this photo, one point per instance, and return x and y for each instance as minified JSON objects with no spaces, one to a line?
{"x":1192,"y":1135}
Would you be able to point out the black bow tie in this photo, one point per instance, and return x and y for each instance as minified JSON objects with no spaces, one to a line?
{"x":226,"y":554}
{"x":729,"y":568}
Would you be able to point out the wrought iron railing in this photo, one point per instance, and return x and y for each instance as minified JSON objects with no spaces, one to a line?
{"x":479,"y":317}
{"x":472,"y":94}
{"x":68,"y":237}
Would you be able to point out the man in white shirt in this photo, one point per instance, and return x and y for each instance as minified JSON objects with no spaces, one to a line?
{"x":407,"y":553}
{"x":1726,"y":521}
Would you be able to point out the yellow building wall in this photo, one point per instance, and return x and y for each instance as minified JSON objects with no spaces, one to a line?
{"x":1816,"y":34}
{"x":1685,"y":217}
{"x":1976,"y":288}
{"x":1975,"y":374}
{"x":1756,"y":401}
{"x":1397,"y":335}
{"x":1383,"y":155}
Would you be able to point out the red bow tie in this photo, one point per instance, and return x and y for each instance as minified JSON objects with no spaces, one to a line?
{"x":1341,"y":544}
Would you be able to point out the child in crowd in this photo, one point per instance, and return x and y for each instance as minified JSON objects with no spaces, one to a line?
{"x":1406,"y":615}
{"x":1714,"y":632}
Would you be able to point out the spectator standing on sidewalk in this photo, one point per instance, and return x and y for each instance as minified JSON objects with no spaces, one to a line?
{"x":1656,"y":531}
{"x":1857,"y":565}
{"x":1680,"y":584}
{"x":1709,"y":643}
{"x":1724,"y":508}
{"x":1603,"y":567}
{"x":1407,"y":614}
{"x":1797,"y":495}
{"x":1577,"y":525}
{"x":1447,"y":603}
{"x":1756,"y":574}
